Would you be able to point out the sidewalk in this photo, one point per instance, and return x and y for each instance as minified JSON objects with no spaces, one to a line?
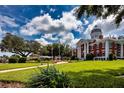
{"x":17,"y":69}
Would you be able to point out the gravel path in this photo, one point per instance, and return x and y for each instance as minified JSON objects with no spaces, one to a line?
{"x":17,"y":69}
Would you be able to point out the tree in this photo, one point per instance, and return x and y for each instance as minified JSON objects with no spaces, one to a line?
{"x":44,"y":51}
{"x":102,"y":11}
{"x":18,"y":45}
{"x":67,"y":51}
{"x":54,"y":49}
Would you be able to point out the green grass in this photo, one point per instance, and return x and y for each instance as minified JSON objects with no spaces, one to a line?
{"x":81,"y":73}
{"x":17,"y":65}
{"x":21,"y":76}
{"x":7,"y":66}
{"x":91,"y":65}
{"x":95,"y":74}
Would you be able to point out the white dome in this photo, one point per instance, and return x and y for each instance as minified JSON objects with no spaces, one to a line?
{"x":96,"y":33}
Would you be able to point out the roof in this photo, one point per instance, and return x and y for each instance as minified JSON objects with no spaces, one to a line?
{"x":96,"y":30}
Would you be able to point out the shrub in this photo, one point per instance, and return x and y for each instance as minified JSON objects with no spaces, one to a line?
{"x":22,"y":60}
{"x":74,"y":58}
{"x":38,"y":60}
{"x":89,"y":57}
{"x":4,"y":59}
{"x":66,"y":58}
{"x":34,"y":59}
{"x":49,"y":78}
{"x":16,"y":56}
{"x":111,"y":56}
{"x":13,"y":60}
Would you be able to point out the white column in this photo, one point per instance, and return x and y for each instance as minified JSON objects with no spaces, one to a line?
{"x":87,"y":47}
{"x":85,"y":50}
{"x":79,"y":52}
{"x":106,"y":49}
{"x":121,"y":50}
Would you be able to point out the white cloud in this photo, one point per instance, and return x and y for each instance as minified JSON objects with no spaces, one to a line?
{"x":41,"y":11}
{"x":58,"y":16}
{"x":42,"y":24}
{"x":52,"y":10}
{"x":86,"y":22}
{"x":69,"y":21}
{"x":42,"y":41}
{"x":46,"y":24}
{"x":107,"y":26}
{"x":2,"y":34}
{"x":5,"y":20}
{"x":49,"y":37}
{"x":48,"y":27}
{"x":67,"y":38}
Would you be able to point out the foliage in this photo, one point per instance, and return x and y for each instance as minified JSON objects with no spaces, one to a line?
{"x":89,"y":57}
{"x":35,"y":59}
{"x":49,"y":78}
{"x":22,"y":60}
{"x":13,"y":60}
{"x":54,"y":49}
{"x":111,"y":57}
{"x":74,"y":58}
{"x":19,"y":46}
{"x":4,"y":59}
{"x":66,"y":58}
{"x":102,"y":11}
{"x":17,"y":56}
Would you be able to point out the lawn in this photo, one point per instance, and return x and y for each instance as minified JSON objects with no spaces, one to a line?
{"x":7,"y":66}
{"x":17,"y":65}
{"x":82,"y":73}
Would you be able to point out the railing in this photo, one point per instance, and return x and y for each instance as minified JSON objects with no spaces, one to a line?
{"x":99,"y":58}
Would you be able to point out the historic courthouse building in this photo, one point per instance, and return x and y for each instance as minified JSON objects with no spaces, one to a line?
{"x":99,"y":46}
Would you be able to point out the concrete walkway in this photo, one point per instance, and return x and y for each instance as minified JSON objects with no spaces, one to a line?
{"x":17,"y":69}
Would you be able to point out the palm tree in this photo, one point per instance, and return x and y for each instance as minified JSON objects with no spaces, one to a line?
{"x":102,"y":11}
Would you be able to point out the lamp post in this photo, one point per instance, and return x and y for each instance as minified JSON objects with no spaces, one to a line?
{"x":52,"y":53}
{"x":59,"y":50}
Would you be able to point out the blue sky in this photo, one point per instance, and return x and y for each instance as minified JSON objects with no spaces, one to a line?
{"x":14,"y":19}
{"x":49,"y":24}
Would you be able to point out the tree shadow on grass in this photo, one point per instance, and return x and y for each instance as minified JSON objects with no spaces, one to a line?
{"x":97,"y":78}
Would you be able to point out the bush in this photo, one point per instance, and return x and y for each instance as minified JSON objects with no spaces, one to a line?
{"x":22,"y":60}
{"x":4,"y":59}
{"x":34,"y":59}
{"x":13,"y":60}
{"x":15,"y":56}
{"x":74,"y":58}
{"x":111,"y":57}
{"x":89,"y":57}
{"x":66,"y":58}
{"x":49,"y":78}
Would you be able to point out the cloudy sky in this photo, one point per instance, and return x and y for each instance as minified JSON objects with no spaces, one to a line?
{"x":50,"y":24}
